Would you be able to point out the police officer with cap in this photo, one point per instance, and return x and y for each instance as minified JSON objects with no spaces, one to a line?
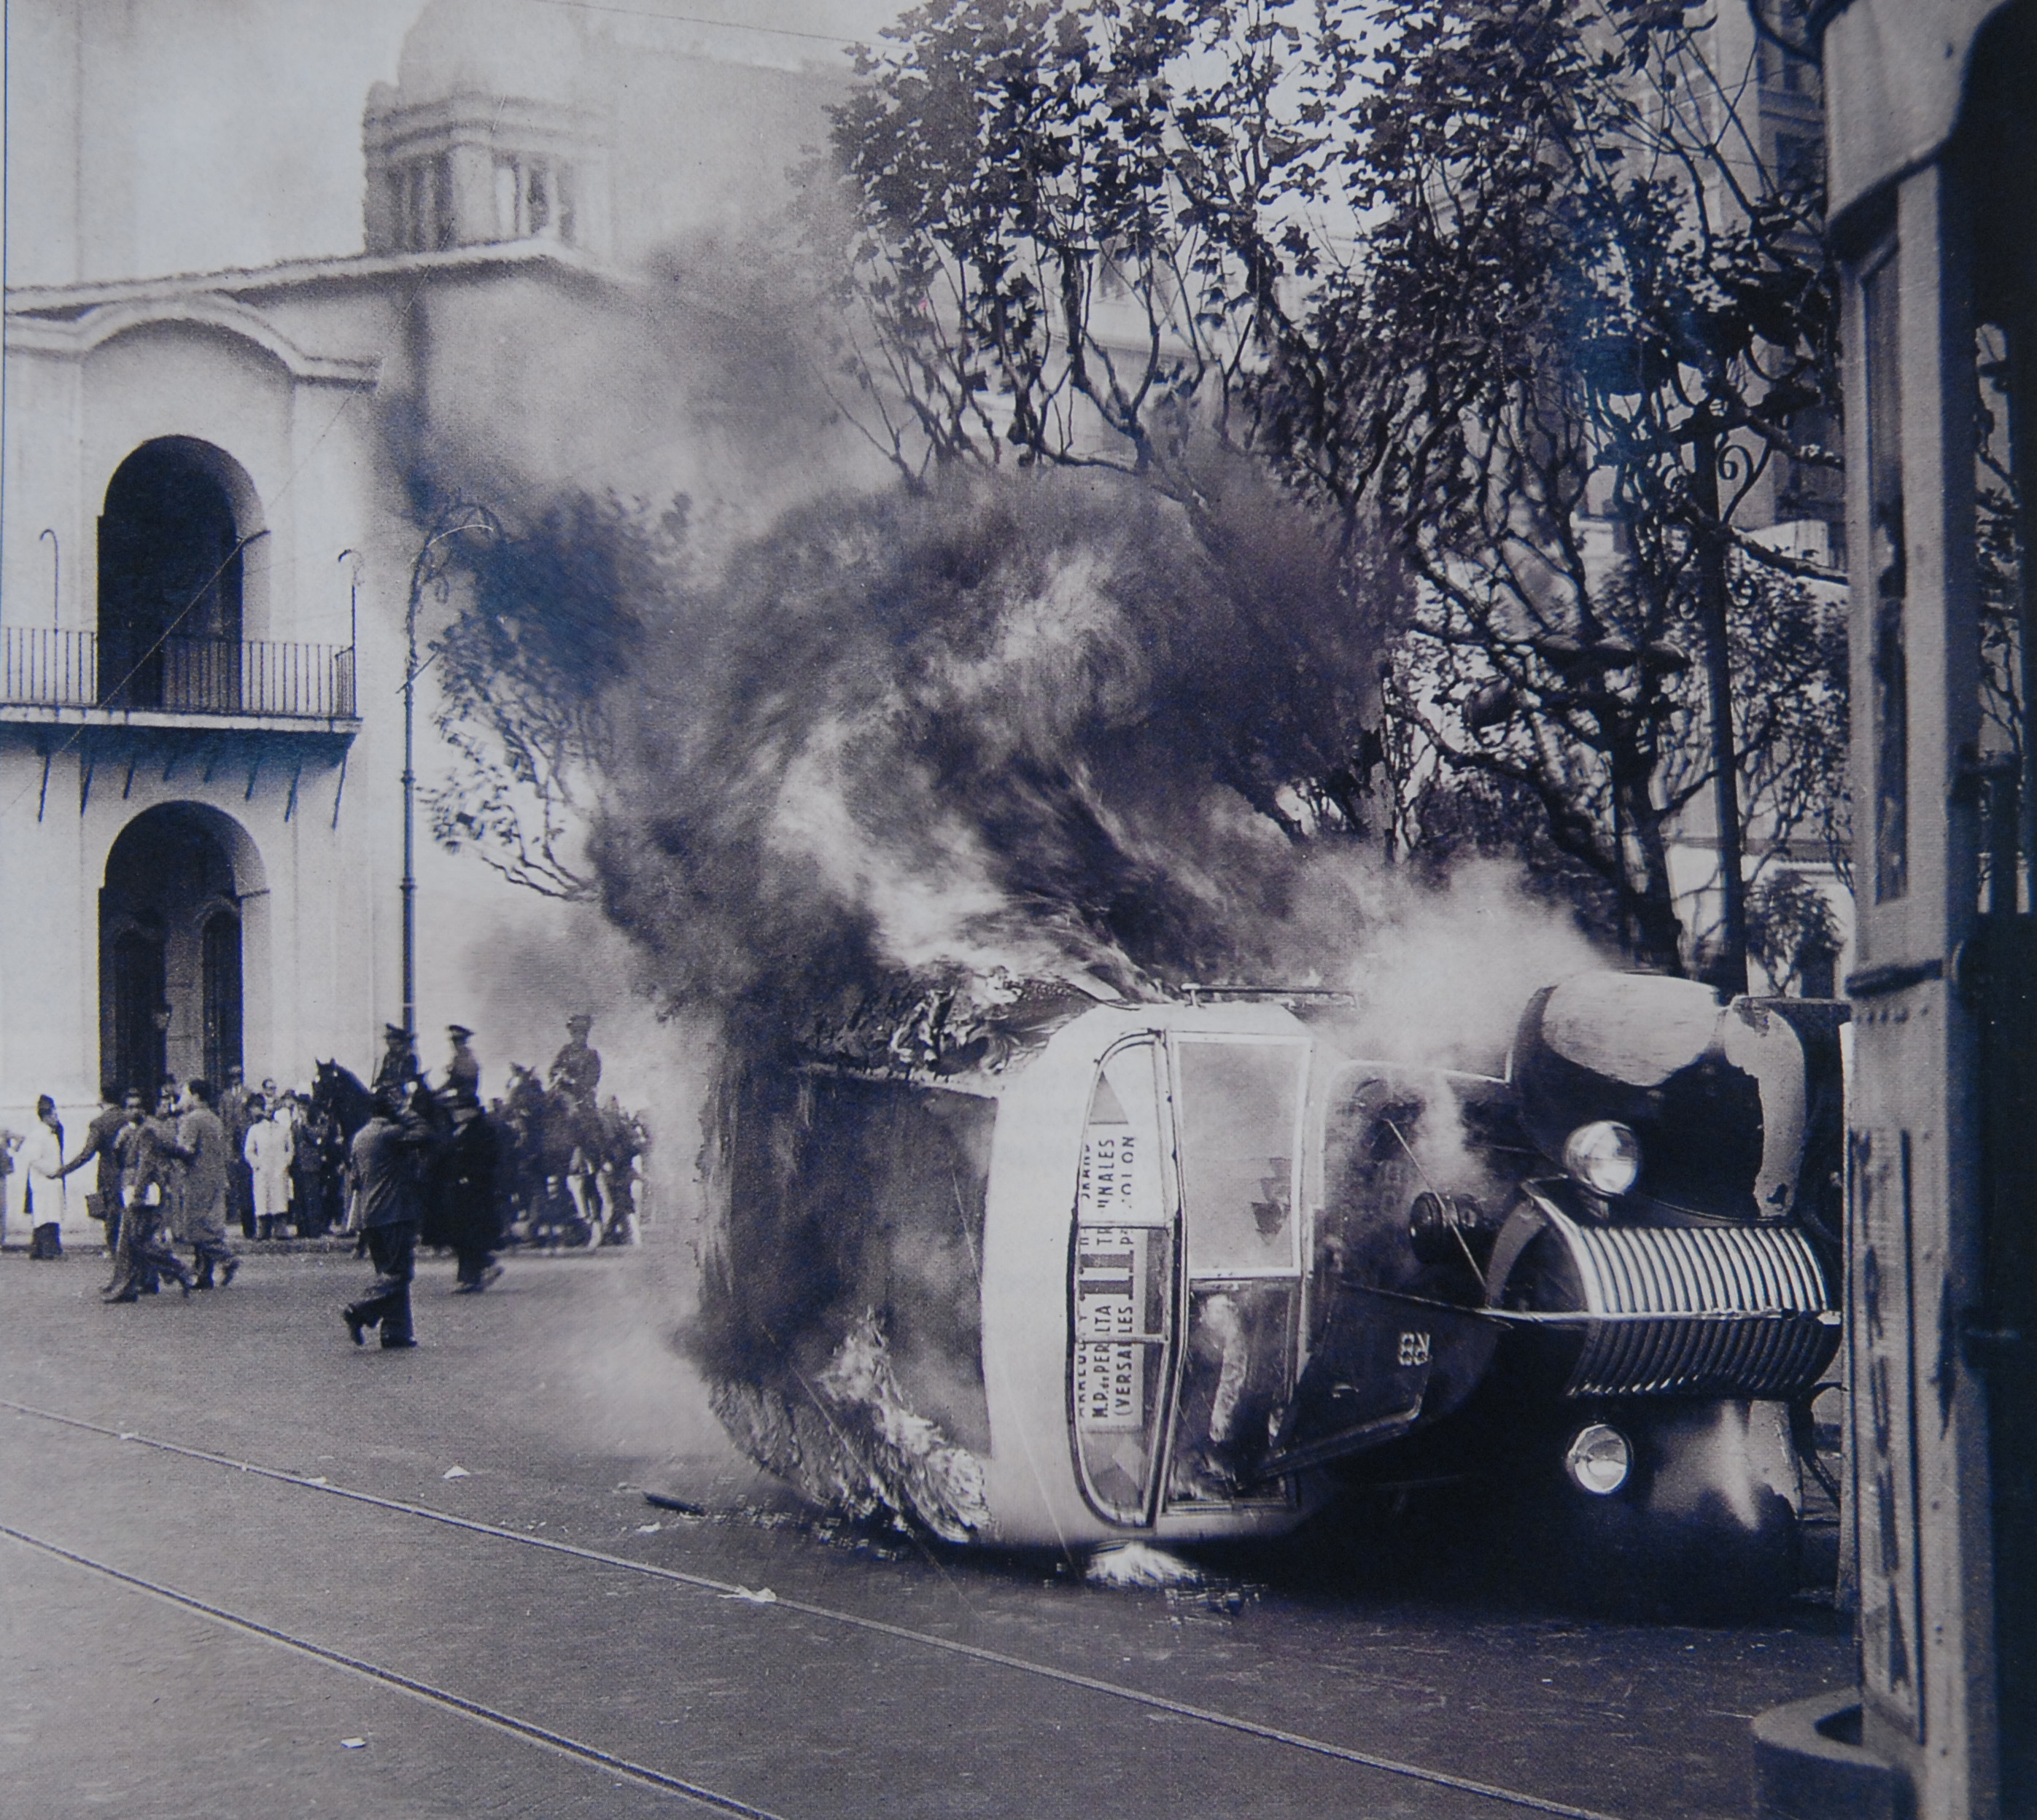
{"x":576,"y":1068}
{"x":398,"y":1067}
{"x":462,"y":1081}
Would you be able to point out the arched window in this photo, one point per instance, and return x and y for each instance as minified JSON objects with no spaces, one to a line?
{"x":221,"y":987}
{"x":139,"y":1012}
{"x":170,"y":580}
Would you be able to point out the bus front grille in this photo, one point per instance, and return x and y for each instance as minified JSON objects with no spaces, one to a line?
{"x":1698,"y":1311}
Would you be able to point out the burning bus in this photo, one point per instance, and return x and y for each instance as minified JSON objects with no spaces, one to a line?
{"x":1066,"y":1270}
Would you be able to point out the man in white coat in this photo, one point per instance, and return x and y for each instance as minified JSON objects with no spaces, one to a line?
{"x":268,"y":1148}
{"x":36,"y":1192}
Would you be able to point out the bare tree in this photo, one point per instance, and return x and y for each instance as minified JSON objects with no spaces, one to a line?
{"x":1527,"y":300}
{"x":552,"y":619}
{"x":1074,"y":229}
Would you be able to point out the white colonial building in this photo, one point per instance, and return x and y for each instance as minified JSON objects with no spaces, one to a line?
{"x":211,"y":508}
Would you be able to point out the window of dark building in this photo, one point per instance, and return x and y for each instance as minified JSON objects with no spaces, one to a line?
{"x":421,"y":205}
{"x":535,"y":199}
{"x":139,"y":1011}
{"x":170,"y":575}
{"x":1799,"y":162}
{"x":221,"y":988}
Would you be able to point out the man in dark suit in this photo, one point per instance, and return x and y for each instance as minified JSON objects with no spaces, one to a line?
{"x":388,"y":1155}
{"x":470,"y":1193}
{"x":100,"y":1137}
{"x":236,"y":1114}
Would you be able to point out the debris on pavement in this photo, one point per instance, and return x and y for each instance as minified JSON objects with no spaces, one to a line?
{"x":1139,"y":1564}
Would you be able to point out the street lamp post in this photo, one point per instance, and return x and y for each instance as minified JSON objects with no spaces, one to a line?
{"x":460,"y":519}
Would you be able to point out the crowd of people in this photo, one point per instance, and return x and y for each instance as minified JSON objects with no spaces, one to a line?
{"x":400,"y":1163}
{"x":280,"y":1158}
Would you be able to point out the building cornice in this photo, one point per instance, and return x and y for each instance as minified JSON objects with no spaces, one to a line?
{"x":56,"y":303}
{"x":75,"y":337}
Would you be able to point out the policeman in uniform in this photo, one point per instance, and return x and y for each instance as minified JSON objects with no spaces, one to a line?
{"x":398,"y":1068}
{"x":576,"y":1074}
{"x":576,"y":1068}
{"x":462,"y":1081}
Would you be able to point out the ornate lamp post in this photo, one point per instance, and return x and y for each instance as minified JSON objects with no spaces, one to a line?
{"x":461,"y":517}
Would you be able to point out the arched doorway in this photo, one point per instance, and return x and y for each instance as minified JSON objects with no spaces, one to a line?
{"x":170,"y":946}
{"x":171,"y":543}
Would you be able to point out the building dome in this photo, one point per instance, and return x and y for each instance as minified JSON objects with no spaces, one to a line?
{"x":523,"y":48}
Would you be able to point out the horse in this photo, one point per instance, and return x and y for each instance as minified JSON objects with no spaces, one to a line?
{"x":338,"y":1093}
{"x":338,"y":1096}
{"x":543,"y":1147}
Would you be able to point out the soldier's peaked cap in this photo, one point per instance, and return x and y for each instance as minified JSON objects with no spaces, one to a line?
{"x":459,"y":1033}
{"x":394,"y":1033}
{"x":580,"y":1021}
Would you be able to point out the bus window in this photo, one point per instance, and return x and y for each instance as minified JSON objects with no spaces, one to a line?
{"x":1236,"y":1372}
{"x":1238,"y":1131}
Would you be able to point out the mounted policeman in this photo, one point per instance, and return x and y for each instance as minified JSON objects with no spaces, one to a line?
{"x":576,"y":1078}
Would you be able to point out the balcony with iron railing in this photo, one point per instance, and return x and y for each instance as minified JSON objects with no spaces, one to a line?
{"x":45,"y":668}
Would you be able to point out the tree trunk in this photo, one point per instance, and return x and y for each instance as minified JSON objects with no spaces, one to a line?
{"x":1729,"y":972}
{"x":1651,"y":903}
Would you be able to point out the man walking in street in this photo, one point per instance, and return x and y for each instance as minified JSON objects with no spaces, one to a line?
{"x":102,"y":1140}
{"x":388,"y":1157}
{"x":147,"y":1148}
{"x":203,"y":1148}
{"x":466,"y":1183}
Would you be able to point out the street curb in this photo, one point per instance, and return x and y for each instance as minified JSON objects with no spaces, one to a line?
{"x":246,"y":1248}
{"x":1809,"y":1764}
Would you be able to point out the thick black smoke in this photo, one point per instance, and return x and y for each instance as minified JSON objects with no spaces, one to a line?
{"x":909,"y":779}
{"x":909,"y":776}
{"x":1040,"y":724}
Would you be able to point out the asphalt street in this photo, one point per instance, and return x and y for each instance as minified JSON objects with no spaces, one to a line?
{"x":248,"y":1570}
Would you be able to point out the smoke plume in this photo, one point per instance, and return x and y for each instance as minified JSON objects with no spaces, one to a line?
{"x":912,"y":775}
{"x":1042,"y":724}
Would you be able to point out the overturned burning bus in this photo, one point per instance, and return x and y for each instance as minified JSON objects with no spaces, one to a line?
{"x":1184,"y":1271}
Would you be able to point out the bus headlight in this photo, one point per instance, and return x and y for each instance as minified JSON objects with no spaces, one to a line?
{"x":1598,"y":1459}
{"x":1605,"y":1157}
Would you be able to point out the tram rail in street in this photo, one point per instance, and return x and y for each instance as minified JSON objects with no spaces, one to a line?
{"x":527,"y":1730}
{"x":592,"y":1756}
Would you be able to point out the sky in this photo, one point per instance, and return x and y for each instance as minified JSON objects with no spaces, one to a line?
{"x":241,"y":137}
